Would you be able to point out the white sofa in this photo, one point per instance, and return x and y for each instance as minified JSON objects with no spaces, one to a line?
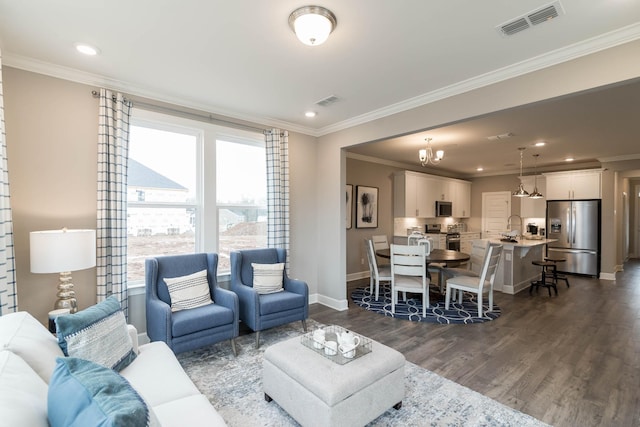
{"x":28,"y":355}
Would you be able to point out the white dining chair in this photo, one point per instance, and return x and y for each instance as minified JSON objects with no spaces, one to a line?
{"x":473,"y":267}
{"x":376,"y":274}
{"x":477,"y":285}
{"x":409,"y":273}
{"x":380,"y":242}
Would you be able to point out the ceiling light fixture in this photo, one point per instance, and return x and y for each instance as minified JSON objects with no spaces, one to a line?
{"x":540,"y":144}
{"x":520,"y":192}
{"x":536,"y":194}
{"x":312,"y":24}
{"x":426,"y":154}
{"x":310,"y":114}
{"x":87,"y":49}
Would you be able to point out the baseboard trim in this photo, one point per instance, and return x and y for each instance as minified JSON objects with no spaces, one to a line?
{"x":608,"y":276}
{"x":340,"y":305}
{"x":358,"y":276}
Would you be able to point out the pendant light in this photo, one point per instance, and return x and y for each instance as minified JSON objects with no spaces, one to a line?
{"x":520,"y":192}
{"x":536,"y":194}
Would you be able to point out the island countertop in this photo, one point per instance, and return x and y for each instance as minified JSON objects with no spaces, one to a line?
{"x":523,"y":243}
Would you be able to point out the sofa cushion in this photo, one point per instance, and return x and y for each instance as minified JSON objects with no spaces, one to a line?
{"x":83,"y":393}
{"x":23,"y":393}
{"x":188,"y":411}
{"x":98,"y":333}
{"x":157,"y":375}
{"x":281,"y":301}
{"x":23,"y":335}
{"x":189,"y":291}
{"x":267,"y":278}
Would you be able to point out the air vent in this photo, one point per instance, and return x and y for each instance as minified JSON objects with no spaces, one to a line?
{"x":327,"y":101}
{"x":542,"y":14}
{"x":501,"y":136}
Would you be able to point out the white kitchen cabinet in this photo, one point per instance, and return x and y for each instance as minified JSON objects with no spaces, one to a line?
{"x":580,"y":184}
{"x":533,"y":208}
{"x":415,"y":195}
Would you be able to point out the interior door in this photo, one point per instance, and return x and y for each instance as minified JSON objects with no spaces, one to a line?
{"x":496,"y":209}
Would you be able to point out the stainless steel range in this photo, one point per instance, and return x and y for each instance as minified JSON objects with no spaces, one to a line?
{"x":453,"y":241}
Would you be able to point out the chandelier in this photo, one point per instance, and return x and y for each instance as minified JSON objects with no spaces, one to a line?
{"x":426,"y":154}
{"x":520,"y":192}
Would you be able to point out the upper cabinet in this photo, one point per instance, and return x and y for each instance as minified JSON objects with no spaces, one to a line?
{"x":415,"y":195}
{"x":534,"y":208}
{"x":580,"y":184}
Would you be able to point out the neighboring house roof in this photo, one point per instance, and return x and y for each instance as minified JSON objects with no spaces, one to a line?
{"x":140,"y":175}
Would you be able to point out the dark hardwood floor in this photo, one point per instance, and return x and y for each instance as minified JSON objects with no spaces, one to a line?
{"x":570,"y":360}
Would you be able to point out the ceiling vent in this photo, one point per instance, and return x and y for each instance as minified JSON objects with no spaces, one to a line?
{"x":501,"y":136}
{"x":327,"y":101}
{"x":542,"y":14}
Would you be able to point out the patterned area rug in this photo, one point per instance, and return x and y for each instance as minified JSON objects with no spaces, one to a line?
{"x":234,"y":386}
{"x":467,"y":312}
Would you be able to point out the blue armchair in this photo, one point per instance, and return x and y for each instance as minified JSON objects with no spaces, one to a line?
{"x":264,"y":311}
{"x":196,"y":327}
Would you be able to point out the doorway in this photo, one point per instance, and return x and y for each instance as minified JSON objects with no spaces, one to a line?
{"x":496,"y":209}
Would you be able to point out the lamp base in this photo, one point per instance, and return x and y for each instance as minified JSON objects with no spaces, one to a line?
{"x":66,"y":295}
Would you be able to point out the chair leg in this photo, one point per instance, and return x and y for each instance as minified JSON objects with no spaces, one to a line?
{"x":233,"y":346}
{"x":447,"y":298}
{"x":479,"y":304}
{"x":304,"y":325}
{"x":377,"y":289}
{"x":257,"y":339}
{"x":490,"y":300}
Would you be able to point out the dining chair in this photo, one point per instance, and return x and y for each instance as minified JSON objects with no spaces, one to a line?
{"x":409,"y":273}
{"x":473,"y":267}
{"x":380,"y":242}
{"x":477,"y":285}
{"x":377,"y":274}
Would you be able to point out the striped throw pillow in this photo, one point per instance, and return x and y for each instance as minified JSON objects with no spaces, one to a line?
{"x":267,"y":278}
{"x":189,"y":291}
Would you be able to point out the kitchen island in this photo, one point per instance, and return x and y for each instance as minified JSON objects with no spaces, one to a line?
{"x":515,"y":271}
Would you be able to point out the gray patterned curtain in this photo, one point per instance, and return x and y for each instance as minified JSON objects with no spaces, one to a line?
{"x":113,"y":152}
{"x":8,"y":291}
{"x":277,"y":152}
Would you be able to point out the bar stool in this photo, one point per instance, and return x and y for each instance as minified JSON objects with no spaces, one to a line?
{"x":545,"y":282}
{"x":558,"y":276}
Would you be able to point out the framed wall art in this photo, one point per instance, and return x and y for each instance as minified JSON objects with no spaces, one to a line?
{"x":349,"y":206}
{"x":366,"y":207}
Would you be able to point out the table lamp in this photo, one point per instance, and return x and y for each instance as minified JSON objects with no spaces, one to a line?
{"x":63,"y":251}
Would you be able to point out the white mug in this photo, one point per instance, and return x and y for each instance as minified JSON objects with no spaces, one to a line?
{"x":318,"y":341}
{"x":348,"y":351}
{"x":330,"y":348}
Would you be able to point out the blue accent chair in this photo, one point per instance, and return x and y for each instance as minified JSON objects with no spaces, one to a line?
{"x":196,"y":327}
{"x":264,"y":311}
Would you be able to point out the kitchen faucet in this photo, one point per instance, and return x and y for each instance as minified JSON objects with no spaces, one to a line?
{"x":521,"y":223}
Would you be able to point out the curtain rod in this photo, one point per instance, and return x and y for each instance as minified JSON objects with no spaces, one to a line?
{"x":185,"y":114}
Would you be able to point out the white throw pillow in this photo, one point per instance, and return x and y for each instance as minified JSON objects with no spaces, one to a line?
{"x":267,"y":278}
{"x":189,"y":291}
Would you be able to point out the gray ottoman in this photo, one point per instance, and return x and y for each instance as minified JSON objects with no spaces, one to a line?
{"x":316,"y":391}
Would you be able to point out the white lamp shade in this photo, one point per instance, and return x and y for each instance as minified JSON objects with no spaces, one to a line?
{"x":56,"y":251}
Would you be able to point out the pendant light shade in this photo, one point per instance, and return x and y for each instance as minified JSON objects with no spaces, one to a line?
{"x":536,"y":194}
{"x":520,"y":192}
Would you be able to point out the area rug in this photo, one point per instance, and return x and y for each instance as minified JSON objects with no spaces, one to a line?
{"x":234,"y":386}
{"x":467,"y":312}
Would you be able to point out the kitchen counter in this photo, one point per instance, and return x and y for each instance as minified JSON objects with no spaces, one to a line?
{"x":516,"y":271}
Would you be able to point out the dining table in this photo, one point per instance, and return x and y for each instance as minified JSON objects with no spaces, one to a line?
{"x":448,"y":257}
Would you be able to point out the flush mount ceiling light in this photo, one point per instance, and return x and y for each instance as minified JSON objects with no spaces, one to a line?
{"x":520,"y":192}
{"x":426,"y":155}
{"x":87,"y":49}
{"x":536,"y":194}
{"x":312,"y":24}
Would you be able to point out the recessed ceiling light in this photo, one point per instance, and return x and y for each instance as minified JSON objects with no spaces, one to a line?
{"x":310,"y":114}
{"x":540,"y":144}
{"x":569,"y":159}
{"x":480,"y":169}
{"x":87,"y":49}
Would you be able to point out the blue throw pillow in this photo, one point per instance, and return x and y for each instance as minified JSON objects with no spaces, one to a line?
{"x":98,"y":333}
{"x":83,"y":393}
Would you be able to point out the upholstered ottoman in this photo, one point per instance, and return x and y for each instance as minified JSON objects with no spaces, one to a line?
{"x":316,"y":391}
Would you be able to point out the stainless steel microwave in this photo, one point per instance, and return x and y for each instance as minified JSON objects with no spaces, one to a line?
{"x":443,"y":209}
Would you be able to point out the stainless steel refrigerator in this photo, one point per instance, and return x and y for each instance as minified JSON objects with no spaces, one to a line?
{"x":575,"y":224}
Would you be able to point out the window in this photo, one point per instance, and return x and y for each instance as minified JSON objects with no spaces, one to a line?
{"x":192,"y":187}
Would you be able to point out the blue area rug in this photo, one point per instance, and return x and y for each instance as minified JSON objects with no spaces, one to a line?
{"x":467,"y":312}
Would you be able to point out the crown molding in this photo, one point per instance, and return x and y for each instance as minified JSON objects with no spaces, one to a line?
{"x":586,"y":47}
{"x":595,"y":44}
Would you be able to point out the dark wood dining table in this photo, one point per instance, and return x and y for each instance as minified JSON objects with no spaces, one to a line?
{"x":444,"y":256}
